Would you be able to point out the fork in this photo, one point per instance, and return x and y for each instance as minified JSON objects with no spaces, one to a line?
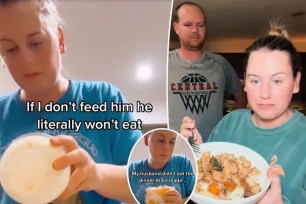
{"x":191,"y":138}
{"x":195,"y":147}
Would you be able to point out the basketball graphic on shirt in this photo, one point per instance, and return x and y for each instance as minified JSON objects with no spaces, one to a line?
{"x":195,"y":91}
{"x":193,"y":78}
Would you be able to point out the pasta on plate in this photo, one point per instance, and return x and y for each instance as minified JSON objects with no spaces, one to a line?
{"x":226,"y":177}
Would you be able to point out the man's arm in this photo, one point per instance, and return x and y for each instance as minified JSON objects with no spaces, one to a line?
{"x":240,"y":99}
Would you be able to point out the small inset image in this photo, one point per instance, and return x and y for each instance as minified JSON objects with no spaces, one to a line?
{"x":162,"y":168}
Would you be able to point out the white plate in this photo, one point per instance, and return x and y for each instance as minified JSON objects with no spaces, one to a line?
{"x":256,"y":160}
{"x":26,"y":171}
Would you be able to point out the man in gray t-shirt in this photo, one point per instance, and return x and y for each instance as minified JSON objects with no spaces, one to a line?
{"x":197,"y":79}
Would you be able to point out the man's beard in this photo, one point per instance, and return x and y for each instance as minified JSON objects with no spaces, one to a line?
{"x":192,"y":46}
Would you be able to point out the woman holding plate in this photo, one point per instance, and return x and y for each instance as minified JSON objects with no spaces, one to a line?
{"x":270,"y":127}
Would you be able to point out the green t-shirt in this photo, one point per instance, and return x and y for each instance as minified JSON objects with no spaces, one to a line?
{"x":196,"y":89}
{"x":287,"y":142}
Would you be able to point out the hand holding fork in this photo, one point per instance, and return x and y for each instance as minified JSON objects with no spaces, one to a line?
{"x":190,"y":132}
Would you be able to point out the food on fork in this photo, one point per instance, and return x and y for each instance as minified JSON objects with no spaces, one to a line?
{"x":154,"y":195}
{"x":226,"y":177}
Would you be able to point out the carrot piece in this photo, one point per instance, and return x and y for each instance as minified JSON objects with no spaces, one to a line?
{"x":230,"y":184}
{"x":213,"y":188}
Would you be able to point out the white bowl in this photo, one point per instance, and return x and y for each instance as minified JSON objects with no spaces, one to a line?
{"x":256,"y":160}
{"x":26,"y":171}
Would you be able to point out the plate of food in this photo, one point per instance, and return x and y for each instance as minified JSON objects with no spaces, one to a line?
{"x":229,"y":173}
{"x":26,"y":171}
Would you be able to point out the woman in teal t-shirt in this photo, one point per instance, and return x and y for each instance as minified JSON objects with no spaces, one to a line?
{"x":270,"y":127}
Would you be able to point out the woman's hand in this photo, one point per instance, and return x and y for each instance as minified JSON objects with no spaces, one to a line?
{"x":188,"y":127}
{"x":172,"y":197}
{"x":84,"y":169}
{"x":274,"y":194}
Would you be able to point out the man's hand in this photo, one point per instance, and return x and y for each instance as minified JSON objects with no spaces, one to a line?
{"x":188,"y":127}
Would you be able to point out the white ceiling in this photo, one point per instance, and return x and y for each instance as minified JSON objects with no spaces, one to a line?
{"x":234,"y":24}
{"x":111,"y":40}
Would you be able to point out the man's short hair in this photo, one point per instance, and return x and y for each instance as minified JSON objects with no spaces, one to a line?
{"x":176,"y":18}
